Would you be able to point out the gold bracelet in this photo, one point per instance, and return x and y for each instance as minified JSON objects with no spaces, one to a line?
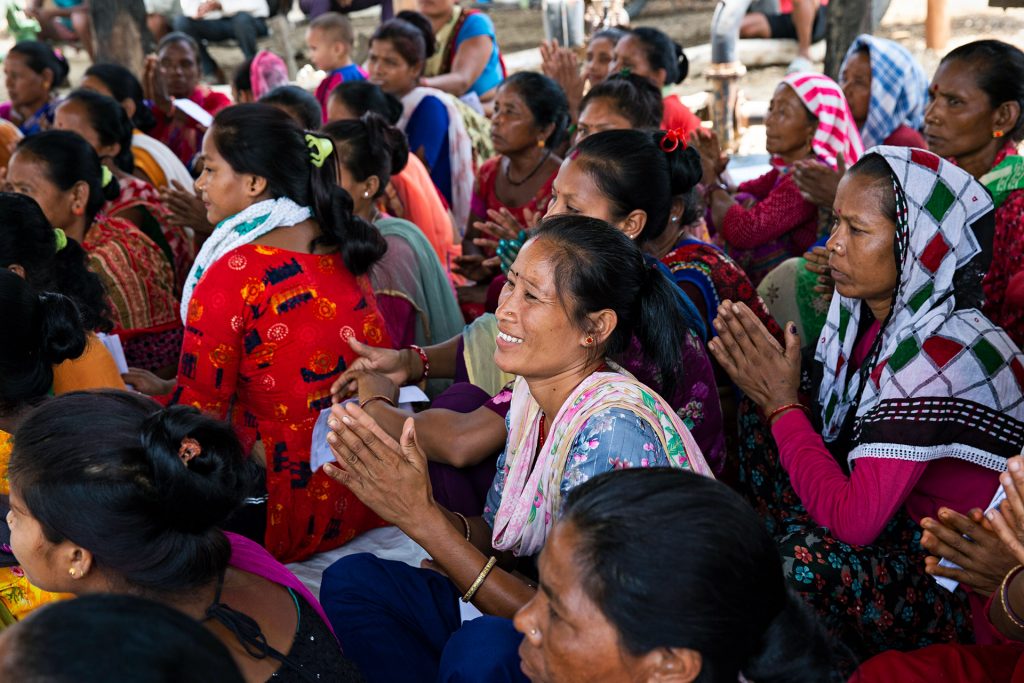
{"x":1004,"y":596}
{"x":464,"y":522}
{"x":480,"y":579}
{"x":377,"y":397}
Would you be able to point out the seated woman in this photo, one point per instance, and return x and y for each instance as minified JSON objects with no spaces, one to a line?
{"x":467,"y":59}
{"x":112,"y":494}
{"x":528,"y":125}
{"x":990,"y":75}
{"x":649,"y":53}
{"x":49,"y":332}
{"x":60,"y":170}
{"x":105,"y":125}
{"x":766,"y":220}
{"x":577,"y":292}
{"x":154,"y":161}
{"x":411,"y":194}
{"x":430,"y":118}
{"x":622,"y":177}
{"x":270,"y":300}
{"x":887,"y":92}
{"x":33,"y":72}
{"x":50,"y":261}
{"x":620,"y":102}
{"x":412,"y":287}
{"x":297,"y":103}
{"x":633,"y":592}
{"x":600,"y":54}
{"x":916,"y":396}
{"x":173,"y":74}
{"x":75,"y":641}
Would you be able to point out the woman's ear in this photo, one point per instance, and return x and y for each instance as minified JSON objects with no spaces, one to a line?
{"x":671,"y":665}
{"x":371,"y":186}
{"x":633,"y":224}
{"x":602,"y":324}
{"x":80,"y":196}
{"x":128,"y":104}
{"x":1006,"y":116}
{"x":254,"y":185}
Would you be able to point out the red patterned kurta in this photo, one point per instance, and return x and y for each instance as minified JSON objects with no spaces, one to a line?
{"x":140,"y":285}
{"x":138,"y":193}
{"x":486,"y":197}
{"x":265,"y":338}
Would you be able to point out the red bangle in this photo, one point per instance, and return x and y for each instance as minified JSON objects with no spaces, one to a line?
{"x":789,"y":406}
{"x":423,"y":357}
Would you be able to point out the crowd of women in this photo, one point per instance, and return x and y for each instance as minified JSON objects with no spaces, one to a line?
{"x":676,"y":430}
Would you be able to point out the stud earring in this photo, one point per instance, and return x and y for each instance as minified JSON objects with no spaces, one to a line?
{"x":998,"y":134}
{"x":72,"y":572}
{"x":77,"y":210}
{"x":541,"y":144}
{"x":588,"y":341}
{"x":366,"y":194}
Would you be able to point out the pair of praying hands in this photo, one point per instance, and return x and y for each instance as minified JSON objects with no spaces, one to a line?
{"x":985,"y":545}
{"x":764,"y":369}
{"x":504,"y":234}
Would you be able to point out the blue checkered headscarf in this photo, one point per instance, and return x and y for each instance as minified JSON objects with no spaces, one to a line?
{"x":899,"y":88}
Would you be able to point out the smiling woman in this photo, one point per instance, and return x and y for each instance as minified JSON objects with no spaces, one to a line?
{"x":576,"y":293}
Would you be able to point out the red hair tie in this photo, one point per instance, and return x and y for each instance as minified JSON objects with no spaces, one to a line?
{"x":673,"y":138}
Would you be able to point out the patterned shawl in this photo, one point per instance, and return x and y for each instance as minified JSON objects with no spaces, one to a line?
{"x":941,"y":380}
{"x":899,"y":88}
{"x":836,"y":130}
{"x":532,"y":495}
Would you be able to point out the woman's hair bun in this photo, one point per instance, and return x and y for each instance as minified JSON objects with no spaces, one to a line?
{"x":795,"y":647}
{"x":682,"y":62}
{"x":61,"y":336}
{"x":200,"y":491}
{"x":380,"y":132}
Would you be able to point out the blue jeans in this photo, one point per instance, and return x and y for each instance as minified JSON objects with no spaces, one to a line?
{"x":401,"y":623}
{"x":242,"y":27}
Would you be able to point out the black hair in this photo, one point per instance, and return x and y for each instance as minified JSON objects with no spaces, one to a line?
{"x":663,"y":53}
{"x":612,"y":33}
{"x":46,"y":330}
{"x":634,"y":98}
{"x":178,"y":37}
{"x":154,"y":643}
{"x":597,"y":267}
{"x":875,"y":167}
{"x":411,"y":35}
{"x":70,"y":159}
{"x":998,"y":69}
{"x":103,"y":470}
{"x":633,"y":171}
{"x":369,"y":146}
{"x":242,"y":78}
{"x":28,"y":240}
{"x":39,"y":57}
{"x":241,"y":133}
{"x":546,"y":101}
{"x":360,"y":97}
{"x":300,"y":103}
{"x":110,"y":121}
{"x":707,"y":577}
{"x":124,"y":86}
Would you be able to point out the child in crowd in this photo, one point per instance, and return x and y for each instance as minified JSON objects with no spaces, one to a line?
{"x":329,"y":39}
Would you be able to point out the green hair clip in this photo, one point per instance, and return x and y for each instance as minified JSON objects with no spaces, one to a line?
{"x":106,"y":176}
{"x":60,"y":239}
{"x":319,"y":149}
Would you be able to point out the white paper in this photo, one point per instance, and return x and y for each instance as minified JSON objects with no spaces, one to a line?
{"x":194,"y":112}
{"x":320,"y":451}
{"x":113,"y":344}
{"x":950,"y":584}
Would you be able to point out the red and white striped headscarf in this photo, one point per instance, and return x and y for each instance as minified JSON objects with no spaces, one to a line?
{"x":836,"y":130}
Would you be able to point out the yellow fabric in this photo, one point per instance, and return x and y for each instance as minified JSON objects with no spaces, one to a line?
{"x":479,"y":340}
{"x":432,"y":67}
{"x":146,"y":164}
{"x":17,"y":596}
{"x":94,"y":369}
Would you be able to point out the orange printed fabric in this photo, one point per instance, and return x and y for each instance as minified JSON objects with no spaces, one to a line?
{"x":266,"y":336}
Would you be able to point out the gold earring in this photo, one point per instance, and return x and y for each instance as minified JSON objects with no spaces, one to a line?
{"x":72,"y":572}
{"x":541,"y":144}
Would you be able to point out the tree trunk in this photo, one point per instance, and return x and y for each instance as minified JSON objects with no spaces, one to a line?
{"x":847,"y":19}
{"x":120,"y":34}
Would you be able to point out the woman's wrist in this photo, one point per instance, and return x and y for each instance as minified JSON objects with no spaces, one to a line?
{"x":413,"y":364}
{"x":776,"y":408}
